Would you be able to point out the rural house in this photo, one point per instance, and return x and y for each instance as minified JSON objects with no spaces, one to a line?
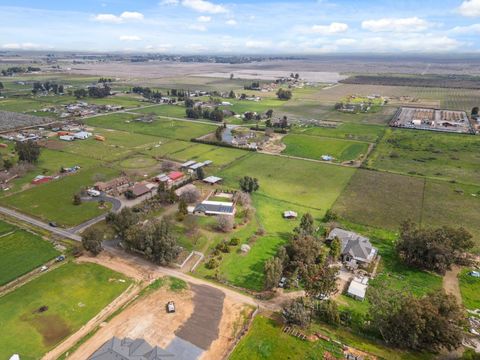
{"x":215,"y":208}
{"x":356,"y":249}
{"x":129,"y":349}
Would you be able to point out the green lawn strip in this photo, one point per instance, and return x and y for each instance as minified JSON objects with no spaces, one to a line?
{"x":53,"y":201}
{"x":174,"y":111}
{"x":73,"y":294}
{"x":167,"y":148}
{"x":266,"y":340}
{"x":21,"y":252}
{"x":470,"y":290}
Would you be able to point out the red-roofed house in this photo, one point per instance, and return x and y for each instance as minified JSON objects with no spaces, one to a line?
{"x":175,"y":175}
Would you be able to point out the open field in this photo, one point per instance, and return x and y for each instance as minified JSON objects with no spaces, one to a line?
{"x":384,"y":200}
{"x":53,"y":201}
{"x":298,"y":182}
{"x":174,"y":111}
{"x":431,"y":154}
{"x":174,"y":129}
{"x":200,"y":152}
{"x":265,"y":340}
{"x":71,"y":296}
{"x":21,"y":252}
{"x":470,"y":288}
{"x":314,"y":147}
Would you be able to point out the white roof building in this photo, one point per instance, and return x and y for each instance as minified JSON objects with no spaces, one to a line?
{"x":358,"y":288}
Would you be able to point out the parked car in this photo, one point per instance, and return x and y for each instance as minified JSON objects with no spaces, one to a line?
{"x":60,"y":258}
{"x":44,"y":268}
{"x":52,"y":224}
{"x":282,"y":282}
{"x":93,"y":193}
{"x":170,"y":307}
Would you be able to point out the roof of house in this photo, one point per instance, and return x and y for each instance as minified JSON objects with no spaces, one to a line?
{"x":353,"y":244}
{"x":212,"y":179}
{"x":188,"y":163}
{"x":215,"y":208}
{"x":196,"y":166}
{"x":130,"y":349}
{"x":175,"y":175}
{"x":358,"y":287}
{"x":112,"y":183}
{"x":289,"y":213}
{"x":139,"y":189}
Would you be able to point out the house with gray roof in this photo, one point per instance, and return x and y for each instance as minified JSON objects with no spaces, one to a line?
{"x":130,"y":349}
{"x":356,"y":249}
{"x":215,"y":208}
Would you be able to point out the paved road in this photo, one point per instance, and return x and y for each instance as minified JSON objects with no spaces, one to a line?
{"x":40,"y":224}
{"x":116,"y":206}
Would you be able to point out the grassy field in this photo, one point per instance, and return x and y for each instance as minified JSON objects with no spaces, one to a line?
{"x":72,"y":296}
{"x":21,"y":252}
{"x":381,"y":199}
{"x":431,"y":154}
{"x":53,"y":201}
{"x":199,"y":152}
{"x":174,"y":129}
{"x":313,"y":147}
{"x":174,"y":111}
{"x":297,"y":182}
{"x":385,"y":200}
{"x":349,"y":131}
{"x":470,"y":288}
{"x":265,"y":340}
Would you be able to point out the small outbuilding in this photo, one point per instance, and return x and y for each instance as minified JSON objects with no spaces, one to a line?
{"x":245,"y":248}
{"x":212,"y":180}
{"x":289,"y":214}
{"x":358,"y":288}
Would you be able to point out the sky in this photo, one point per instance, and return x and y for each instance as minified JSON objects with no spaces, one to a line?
{"x":232,"y":27}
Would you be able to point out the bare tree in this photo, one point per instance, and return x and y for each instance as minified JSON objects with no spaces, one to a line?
{"x":225,"y":223}
{"x":190,"y":196}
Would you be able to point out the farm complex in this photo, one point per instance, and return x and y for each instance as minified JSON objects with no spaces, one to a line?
{"x":186,"y":208}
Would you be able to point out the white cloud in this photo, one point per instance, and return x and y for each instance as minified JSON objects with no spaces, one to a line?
{"x":204,"y":6}
{"x":411,"y":24}
{"x":257,"y":44}
{"x":333,"y":28}
{"x":467,"y":30}
{"x":21,"y":46}
{"x":231,"y":22}
{"x":470,"y":8}
{"x":130,"y":38}
{"x":169,"y":2}
{"x":345,"y":42}
{"x":123,"y":17}
{"x":159,"y":47}
{"x":204,"y":19}
{"x":198,"y":27}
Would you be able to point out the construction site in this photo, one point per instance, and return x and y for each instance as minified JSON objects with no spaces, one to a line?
{"x":432,"y":119}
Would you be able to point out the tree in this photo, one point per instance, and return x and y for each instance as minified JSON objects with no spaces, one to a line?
{"x":432,"y":249}
{"x":122,"y":221}
{"x":182,"y":210}
{"x":225,"y":223}
{"x":273,"y":270}
{"x":1,"y":86}
{"x":80,"y":93}
{"x":335,"y":249}
{"x":189,"y":103}
{"x":284,"y":122}
{"x":27,"y":151}
{"x":231,"y":76}
{"x":429,"y":323}
{"x":474,"y":111}
{"x":200,"y":173}
{"x":298,"y":312}
{"x":306,"y":226}
{"x":327,"y":311}
{"x":302,"y":252}
{"x":232,"y":95}
{"x":92,"y":240}
{"x":268,"y":123}
{"x":219,"y":133}
{"x":249,"y":184}
{"x":320,"y":280}
{"x":330,"y":215}
{"x":248,"y":116}
{"x":217,"y":115}
{"x":77,"y":200}
{"x":269,"y":113}
{"x":190,"y":196}
{"x":156,"y":240}
{"x":283,"y":94}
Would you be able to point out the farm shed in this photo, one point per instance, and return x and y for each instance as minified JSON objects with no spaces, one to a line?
{"x":212,"y":180}
{"x":289,"y":214}
{"x":358,"y":288}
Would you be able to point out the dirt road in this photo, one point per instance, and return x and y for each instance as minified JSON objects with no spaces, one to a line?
{"x":450,"y":283}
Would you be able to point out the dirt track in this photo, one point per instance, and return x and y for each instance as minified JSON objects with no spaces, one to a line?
{"x":450,"y":283}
